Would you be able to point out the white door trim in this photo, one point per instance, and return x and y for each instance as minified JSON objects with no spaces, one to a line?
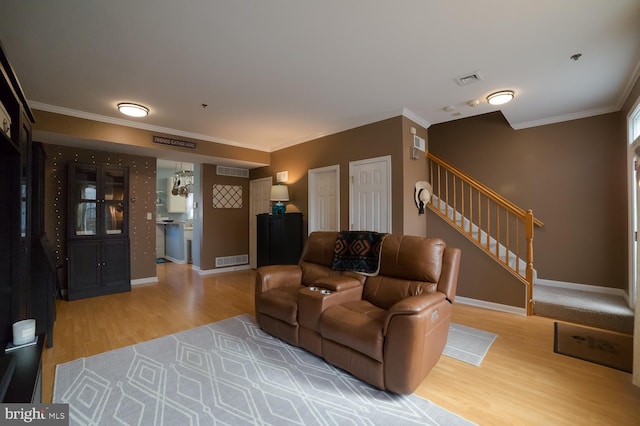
{"x":312,"y":224}
{"x":387,"y":164}
{"x":632,"y":206}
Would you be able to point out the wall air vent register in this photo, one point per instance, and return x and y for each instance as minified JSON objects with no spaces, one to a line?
{"x":232,"y":171}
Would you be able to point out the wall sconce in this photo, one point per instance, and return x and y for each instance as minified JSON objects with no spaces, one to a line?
{"x":279,"y":193}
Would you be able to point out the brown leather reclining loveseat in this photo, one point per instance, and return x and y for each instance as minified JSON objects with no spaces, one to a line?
{"x":388,"y":329}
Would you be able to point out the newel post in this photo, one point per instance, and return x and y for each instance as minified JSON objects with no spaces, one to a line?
{"x":528,"y":220}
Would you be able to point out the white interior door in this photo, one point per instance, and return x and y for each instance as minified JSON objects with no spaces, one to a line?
{"x":259,"y":192}
{"x":370,"y":195}
{"x":324,"y":199}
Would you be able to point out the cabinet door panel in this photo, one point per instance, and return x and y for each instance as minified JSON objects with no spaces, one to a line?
{"x":98,"y":197}
{"x":292,"y":238}
{"x":85,"y":182}
{"x":84,"y":268}
{"x":114,"y":183}
{"x":263,"y":240}
{"x":114,"y":217}
{"x":279,"y":239}
{"x":86,"y":218}
{"x":115,"y":265}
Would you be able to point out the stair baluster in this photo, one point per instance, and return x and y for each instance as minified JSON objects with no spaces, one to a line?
{"x":453,"y":199}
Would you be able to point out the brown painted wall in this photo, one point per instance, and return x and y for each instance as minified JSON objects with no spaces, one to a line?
{"x":387,"y":137}
{"x":73,"y":127}
{"x":571,"y":174}
{"x":142,"y":187}
{"x":480,"y":277}
{"x":225,"y":231}
{"x":412,"y":171}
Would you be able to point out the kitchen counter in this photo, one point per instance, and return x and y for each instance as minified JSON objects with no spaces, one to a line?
{"x":177,"y":241}
{"x":187,"y":225}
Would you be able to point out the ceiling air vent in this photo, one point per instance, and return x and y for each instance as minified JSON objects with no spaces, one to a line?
{"x":468,"y":79}
{"x":232,"y":171}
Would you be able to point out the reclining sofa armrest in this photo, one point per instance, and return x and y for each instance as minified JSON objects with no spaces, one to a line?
{"x":361,"y":278}
{"x":337,"y":282}
{"x":448,"y":282}
{"x":413,"y":342}
{"x":277,"y":276}
{"x":412,"y":305}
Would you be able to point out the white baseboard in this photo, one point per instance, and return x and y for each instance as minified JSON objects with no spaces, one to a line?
{"x":221,"y":270}
{"x":174,"y":260}
{"x":542,"y":282}
{"x":147,"y":280}
{"x":490,"y":305}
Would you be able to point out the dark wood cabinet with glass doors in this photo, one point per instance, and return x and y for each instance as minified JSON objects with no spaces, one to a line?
{"x":98,"y":243}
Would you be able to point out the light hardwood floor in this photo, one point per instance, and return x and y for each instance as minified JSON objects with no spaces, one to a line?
{"x":521,"y":381}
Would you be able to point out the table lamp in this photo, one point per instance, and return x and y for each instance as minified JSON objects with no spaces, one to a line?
{"x":279,"y":193}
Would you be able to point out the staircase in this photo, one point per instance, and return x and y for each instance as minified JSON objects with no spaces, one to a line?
{"x":497,"y":226}
{"x":505,"y":232}
{"x":499,"y":251}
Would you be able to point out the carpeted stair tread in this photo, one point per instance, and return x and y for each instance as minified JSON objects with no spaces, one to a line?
{"x":606,"y":311}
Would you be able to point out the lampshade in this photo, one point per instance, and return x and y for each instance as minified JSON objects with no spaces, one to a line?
{"x":133,"y":110}
{"x":501,"y":97}
{"x":279,"y":193}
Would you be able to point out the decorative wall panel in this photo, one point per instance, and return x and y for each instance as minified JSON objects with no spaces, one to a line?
{"x":227,"y":196}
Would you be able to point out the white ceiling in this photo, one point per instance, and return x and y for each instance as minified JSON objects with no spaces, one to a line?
{"x":280,"y":72}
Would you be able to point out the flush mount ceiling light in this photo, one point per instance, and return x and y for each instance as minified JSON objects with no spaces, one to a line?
{"x":133,"y":110}
{"x":501,"y":97}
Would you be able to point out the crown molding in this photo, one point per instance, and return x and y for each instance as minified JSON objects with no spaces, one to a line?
{"x":153,"y":128}
{"x":415,"y":118}
{"x":635,"y":77}
{"x":128,"y":123}
{"x":566,"y":117}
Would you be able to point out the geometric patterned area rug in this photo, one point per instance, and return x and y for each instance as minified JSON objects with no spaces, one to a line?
{"x":228,"y":373}
{"x":603,"y":347}
{"x":468,"y":344}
